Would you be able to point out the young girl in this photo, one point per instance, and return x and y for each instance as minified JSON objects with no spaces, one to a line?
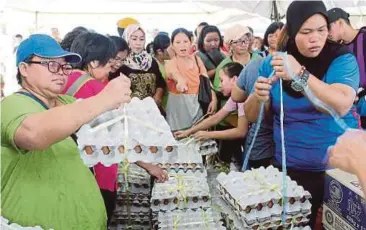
{"x":233,"y":112}
{"x":183,"y":80}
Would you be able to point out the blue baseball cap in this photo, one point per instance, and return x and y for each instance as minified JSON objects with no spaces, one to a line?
{"x":42,"y":45}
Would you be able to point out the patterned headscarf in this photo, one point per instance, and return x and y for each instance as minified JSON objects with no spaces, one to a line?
{"x":141,"y":61}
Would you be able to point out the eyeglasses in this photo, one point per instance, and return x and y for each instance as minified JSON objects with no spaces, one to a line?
{"x":240,"y":42}
{"x":54,"y":67}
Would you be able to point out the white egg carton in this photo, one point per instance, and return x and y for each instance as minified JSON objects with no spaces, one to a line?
{"x":256,"y":197}
{"x":181,"y":192}
{"x":6,"y":225}
{"x":190,"y":219}
{"x":137,"y":132}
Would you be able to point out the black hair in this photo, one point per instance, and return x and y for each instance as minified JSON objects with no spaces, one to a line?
{"x":161,"y":42}
{"x":19,"y":36}
{"x":205,"y":31}
{"x":19,"y":75}
{"x":270,"y":30}
{"x":201,"y":24}
{"x":70,"y":37}
{"x":178,"y":31}
{"x":232,"y":69}
{"x":150,"y":48}
{"x":81,"y":29}
{"x":93,"y":47}
{"x":120,"y":43}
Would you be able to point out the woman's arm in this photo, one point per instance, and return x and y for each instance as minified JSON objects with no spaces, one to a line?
{"x":229,"y":134}
{"x":261,"y":93}
{"x":211,"y":73}
{"x":339,"y":90}
{"x":238,"y":95}
{"x":338,"y":96}
{"x":41,"y":130}
{"x":160,"y":83}
{"x":209,"y":122}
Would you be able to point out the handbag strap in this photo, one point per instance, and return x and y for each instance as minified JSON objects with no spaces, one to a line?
{"x":34,"y":98}
{"x":74,"y":88}
{"x":199,"y":68}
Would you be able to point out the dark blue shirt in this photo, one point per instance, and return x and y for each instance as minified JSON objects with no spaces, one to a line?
{"x":308,"y":132}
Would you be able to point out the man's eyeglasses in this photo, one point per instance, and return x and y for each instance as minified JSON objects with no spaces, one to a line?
{"x":240,"y":42}
{"x":54,"y":67}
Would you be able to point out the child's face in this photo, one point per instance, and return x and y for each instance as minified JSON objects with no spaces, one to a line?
{"x":226,"y":83}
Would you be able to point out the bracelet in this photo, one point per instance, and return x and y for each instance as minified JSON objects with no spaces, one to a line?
{"x":302,"y":71}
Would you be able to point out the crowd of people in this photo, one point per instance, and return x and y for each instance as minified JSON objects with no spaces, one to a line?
{"x":44,"y":181}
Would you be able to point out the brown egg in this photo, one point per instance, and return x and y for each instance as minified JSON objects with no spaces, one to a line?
{"x":195,"y":199}
{"x":259,"y":207}
{"x":88,"y":149}
{"x":106,"y":150}
{"x":292,"y":200}
{"x":121,"y":149}
{"x":166,"y":201}
{"x":175,"y":201}
{"x":169,"y":149}
{"x":205,"y":198}
{"x":248,"y":209}
{"x":153,"y":149}
{"x":138,"y":149}
{"x":270,"y":204}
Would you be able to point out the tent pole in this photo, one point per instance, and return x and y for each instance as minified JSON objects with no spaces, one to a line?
{"x":36,"y":20}
{"x":275,"y":15}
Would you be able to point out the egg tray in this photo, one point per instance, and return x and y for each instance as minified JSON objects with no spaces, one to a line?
{"x":236,"y":221}
{"x":180,"y":192}
{"x":190,"y":219}
{"x":134,"y":207}
{"x":180,"y":203}
{"x":133,"y":196}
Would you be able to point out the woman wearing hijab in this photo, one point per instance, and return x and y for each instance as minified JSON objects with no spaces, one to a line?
{"x":146,"y":80}
{"x":140,"y":67}
{"x":330,"y":72}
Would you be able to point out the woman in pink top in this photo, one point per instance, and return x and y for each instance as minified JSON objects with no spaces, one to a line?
{"x":98,"y":53}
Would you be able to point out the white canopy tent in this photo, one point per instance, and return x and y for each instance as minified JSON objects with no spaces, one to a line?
{"x":30,"y":16}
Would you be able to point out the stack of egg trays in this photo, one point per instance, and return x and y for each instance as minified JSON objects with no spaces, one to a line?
{"x":267,"y":213}
{"x":7,"y":225}
{"x":108,"y":155}
{"x":133,"y":199}
{"x":167,"y":196}
{"x":208,"y":147}
{"x":188,"y":169}
{"x":201,"y":218}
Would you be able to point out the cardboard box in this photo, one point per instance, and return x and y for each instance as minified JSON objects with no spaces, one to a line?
{"x":344,"y":202}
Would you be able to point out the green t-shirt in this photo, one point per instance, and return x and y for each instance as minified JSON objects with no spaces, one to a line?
{"x":217,"y":81}
{"x":51,"y":188}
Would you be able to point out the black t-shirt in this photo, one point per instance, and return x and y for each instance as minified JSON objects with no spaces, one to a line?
{"x":143,"y":83}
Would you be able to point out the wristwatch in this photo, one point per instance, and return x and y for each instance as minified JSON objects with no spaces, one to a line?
{"x":300,"y":82}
